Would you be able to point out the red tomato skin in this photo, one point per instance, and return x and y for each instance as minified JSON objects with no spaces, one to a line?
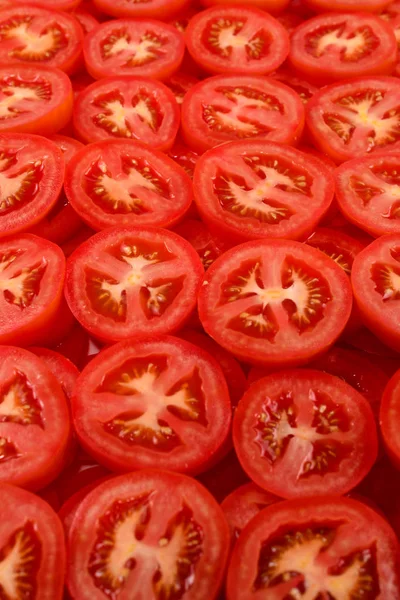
{"x":374,"y":6}
{"x":272,"y":6}
{"x":390,"y":418}
{"x":157,"y":9}
{"x":61,"y":367}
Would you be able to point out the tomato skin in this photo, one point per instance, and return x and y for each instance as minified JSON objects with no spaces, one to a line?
{"x":157,"y":9}
{"x":373,"y":6}
{"x":164,"y":485}
{"x":324,"y":67}
{"x":203,"y":52}
{"x":201,"y":136}
{"x":86,"y":20}
{"x":271,"y":6}
{"x":61,"y":367}
{"x":361,"y":526}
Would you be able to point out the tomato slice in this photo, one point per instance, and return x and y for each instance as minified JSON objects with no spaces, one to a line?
{"x":184,"y":156}
{"x":31,"y":179}
{"x":128,"y":281}
{"x":68,"y":510}
{"x":224,"y":477}
{"x":243,"y":504}
{"x":61,"y":367}
{"x":375,"y":279}
{"x":207,"y":246}
{"x":303,"y":88}
{"x":170,"y":533}
{"x":60,"y":224}
{"x":232,"y":39}
{"x":34,"y":99}
{"x":68,"y":146}
{"x":36,"y":35}
{"x":118,"y":182}
{"x":352,"y":6}
{"x":272,"y":6}
{"x":303,"y":433}
{"x":353,"y":118}
{"x":275,"y":302}
{"x":157,"y":397}
{"x":34,"y":420}
{"x":328,"y":547}
{"x":32,"y":562}
{"x":66,"y":5}
{"x":230,"y":107}
{"x":332,"y":47}
{"x":180,"y":83}
{"x":254,"y":189}
{"x":390,"y":418}
{"x":368,"y":193}
{"x":127,"y":107}
{"x":158,"y":9}
{"x":31,"y":284}
{"x":392,"y":16}
{"x":141,"y":47}
{"x":86,"y":20}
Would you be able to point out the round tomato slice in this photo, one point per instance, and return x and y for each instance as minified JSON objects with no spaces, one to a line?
{"x":36,"y":35}
{"x":275,"y":302}
{"x":68,"y":146}
{"x":86,"y":20}
{"x":331,"y":547}
{"x":392,"y":16}
{"x":332,"y":47}
{"x":304,"y":433}
{"x":61,"y":367}
{"x":352,"y":6}
{"x":231,"y":39}
{"x":34,"y":99}
{"x":184,"y":156}
{"x":179,"y":84}
{"x":134,"y":108}
{"x":118,"y":182}
{"x":303,"y":89}
{"x":32,"y":548}
{"x":129,"y":281}
{"x":60,"y":224}
{"x":368,"y":192}
{"x":168,"y":532}
{"x":34,"y":420}
{"x":31,"y":179}
{"x":158,"y":9}
{"x":255,"y":189}
{"x":162,"y":402}
{"x":353,"y":118}
{"x":207,"y":246}
{"x":272,"y":6}
{"x":31,"y":282}
{"x":133,"y":47}
{"x":66,"y":5}
{"x":243,"y":504}
{"x":376,"y":287}
{"x":230,"y":107}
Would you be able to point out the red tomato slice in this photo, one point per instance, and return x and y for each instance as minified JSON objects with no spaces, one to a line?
{"x":328,"y":162}
{"x":72,"y":244}
{"x":68,"y":510}
{"x":74,"y":346}
{"x":119,"y":183}
{"x":31,"y":179}
{"x":332,"y":47}
{"x":275,"y":302}
{"x":272,"y":6}
{"x":390,"y":418}
{"x":86,"y":20}
{"x":303,"y":88}
{"x":68,"y":146}
{"x":184,"y":156}
{"x":353,"y":118}
{"x":323,"y":545}
{"x":224,"y":477}
{"x":171,"y":534}
{"x":347,"y":5}
{"x":125,"y":282}
{"x":34,"y":99}
{"x":32,"y":548}
{"x":375,"y":279}
{"x":231,"y":39}
{"x":126,"y":47}
{"x":230,"y":107}
{"x":60,"y":224}
{"x":243,"y":504}
{"x":66,"y":5}
{"x":36,"y":35}
{"x":207,"y":246}
{"x":368,"y":193}
{"x":158,"y":9}
{"x":304,"y":433}
{"x":82,"y":472}
{"x":127,"y":107}
{"x":257,"y":189}
{"x":32,"y":286}
{"x":65,"y":370}
{"x":164,"y":403}
{"x":392,"y":16}
{"x":34,"y":420}
{"x":179,"y":84}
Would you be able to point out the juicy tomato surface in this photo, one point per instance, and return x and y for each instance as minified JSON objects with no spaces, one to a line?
{"x":226,"y":108}
{"x":180,"y":83}
{"x":353,"y":118}
{"x":227,"y":39}
{"x":171,"y":531}
{"x":275,"y":302}
{"x":133,"y":108}
{"x":333,"y":47}
{"x":323,"y":545}
{"x":165,"y":404}
{"x":367,"y":190}
{"x":60,"y":224}
{"x":123,"y":182}
{"x":184,"y":156}
{"x":31,"y":179}
{"x":32,"y":559}
{"x":64,"y":5}
{"x":61,"y":367}
{"x":36,"y":35}
{"x":207,"y":246}
{"x":68,"y":146}
{"x":304,"y":433}
{"x":34,"y":420}
{"x":304,"y":89}
{"x":271,"y":6}
{"x":86,"y":20}
{"x":255,"y":189}
{"x":143,"y":47}
{"x":131,"y":281}
{"x":390,"y":418}
{"x":375,"y":279}
{"x":348,"y":5}
{"x":158,"y":9}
